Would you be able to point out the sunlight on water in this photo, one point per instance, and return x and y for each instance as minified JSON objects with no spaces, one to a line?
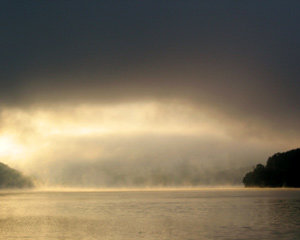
{"x":152,"y":214}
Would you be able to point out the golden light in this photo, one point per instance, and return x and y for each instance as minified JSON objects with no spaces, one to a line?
{"x":10,"y":148}
{"x":39,"y":133}
{"x":121,"y":119}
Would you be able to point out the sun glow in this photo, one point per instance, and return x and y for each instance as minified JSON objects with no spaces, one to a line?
{"x":40,"y":133}
{"x":9,"y":147}
{"x":122,"y":119}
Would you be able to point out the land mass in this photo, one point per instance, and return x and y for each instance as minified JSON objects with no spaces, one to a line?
{"x":281,"y":170}
{"x":11,"y":178}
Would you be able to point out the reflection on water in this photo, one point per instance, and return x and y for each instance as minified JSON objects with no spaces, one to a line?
{"x":199,"y":214}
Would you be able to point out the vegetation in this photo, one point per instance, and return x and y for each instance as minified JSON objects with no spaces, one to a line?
{"x":11,"y":178}
{"x":281,"y":170}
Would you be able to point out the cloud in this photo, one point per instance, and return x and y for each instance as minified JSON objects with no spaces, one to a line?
{"x":226,"y":71}
{"x":62,"y":145}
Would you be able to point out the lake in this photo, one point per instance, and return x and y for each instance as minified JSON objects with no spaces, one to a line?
{"x":162,"y":214}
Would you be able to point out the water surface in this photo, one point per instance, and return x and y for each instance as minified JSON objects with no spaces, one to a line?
{"x":173,"y":214}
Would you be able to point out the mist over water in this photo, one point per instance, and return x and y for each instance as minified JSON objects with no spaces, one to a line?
{"x":119,"y":111}
{"x":140,"y":174}
{"x":131,"y":144}
{"x":243,"y":214}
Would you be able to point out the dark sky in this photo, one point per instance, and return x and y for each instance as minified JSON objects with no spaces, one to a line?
{"x":239,"y":45}
{"x":237,"y":59}
{"x":238,"y":55}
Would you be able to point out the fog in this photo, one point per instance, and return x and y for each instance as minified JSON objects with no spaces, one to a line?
{"x":148,"y":144}
{"x":147,"y":93}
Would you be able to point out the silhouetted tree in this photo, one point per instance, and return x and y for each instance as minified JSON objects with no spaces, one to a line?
{"x":11,"y":178}
{"x":281,"y":170}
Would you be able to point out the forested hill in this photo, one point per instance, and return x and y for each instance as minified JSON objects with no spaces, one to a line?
{"x":11,"y":178}
{"x":281,"y":170}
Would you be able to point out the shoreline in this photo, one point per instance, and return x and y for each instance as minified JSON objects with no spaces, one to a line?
{"x":145,"y":189}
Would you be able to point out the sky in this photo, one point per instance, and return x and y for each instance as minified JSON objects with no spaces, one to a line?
{"x":113,"y":92}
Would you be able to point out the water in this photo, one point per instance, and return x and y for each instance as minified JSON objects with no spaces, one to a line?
{"x":185,"y":215}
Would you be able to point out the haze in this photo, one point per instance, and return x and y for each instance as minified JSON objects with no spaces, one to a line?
{"x":142,"y":93}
